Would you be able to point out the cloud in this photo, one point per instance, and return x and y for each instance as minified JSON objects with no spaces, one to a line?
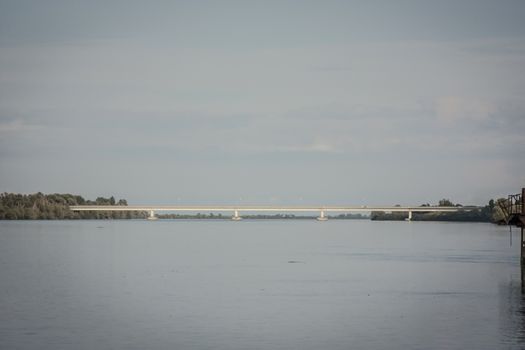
{"x":496,"y":48}
{"x":452,"y":109}
{"x":314,"y":147}
{"x":11,"y":127}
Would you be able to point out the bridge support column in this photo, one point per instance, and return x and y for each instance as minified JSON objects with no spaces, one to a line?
{"x":236,"y":216}
{"x":152,"y":215}
{"x":409,"y":216}
{"x":322,"y":217}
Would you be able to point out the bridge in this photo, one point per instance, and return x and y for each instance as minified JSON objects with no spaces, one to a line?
{"x":236,"y":210}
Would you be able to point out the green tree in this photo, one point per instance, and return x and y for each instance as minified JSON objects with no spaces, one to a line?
{"x":445,"y":203}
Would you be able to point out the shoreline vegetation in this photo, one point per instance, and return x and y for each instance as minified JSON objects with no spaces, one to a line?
{"x":39,"y":206}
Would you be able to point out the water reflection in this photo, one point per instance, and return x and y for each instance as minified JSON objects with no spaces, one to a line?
{"x":512,"y":313}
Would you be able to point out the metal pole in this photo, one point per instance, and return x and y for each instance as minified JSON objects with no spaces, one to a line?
{"x":522,"y":250}
{"x":522,"y":243}
{"x":522,"y":265}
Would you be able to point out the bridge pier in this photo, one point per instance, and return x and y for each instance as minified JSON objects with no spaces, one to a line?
{"x":409,"y":216}
{"x":152,"y":215}
{"x":236,"y":216}
{"x":322,"y":217}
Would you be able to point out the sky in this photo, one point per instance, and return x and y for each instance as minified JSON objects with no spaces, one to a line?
{"x":263,"y":102}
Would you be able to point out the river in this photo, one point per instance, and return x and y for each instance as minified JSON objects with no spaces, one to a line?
{"x":255,"y":284}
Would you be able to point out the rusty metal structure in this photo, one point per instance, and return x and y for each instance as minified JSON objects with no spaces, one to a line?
{"x":513,"y":208}
{"x":515,"y":216}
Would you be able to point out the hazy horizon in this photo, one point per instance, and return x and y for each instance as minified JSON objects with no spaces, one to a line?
{"x":263,"y":102}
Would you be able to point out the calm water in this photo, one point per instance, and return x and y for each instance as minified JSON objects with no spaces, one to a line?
{"x":259,"y":285}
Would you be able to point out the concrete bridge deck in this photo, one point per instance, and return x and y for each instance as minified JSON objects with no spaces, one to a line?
{"x":246,"y":208}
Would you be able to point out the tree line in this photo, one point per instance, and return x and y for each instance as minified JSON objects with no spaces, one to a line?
{"x":39,"y":206}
